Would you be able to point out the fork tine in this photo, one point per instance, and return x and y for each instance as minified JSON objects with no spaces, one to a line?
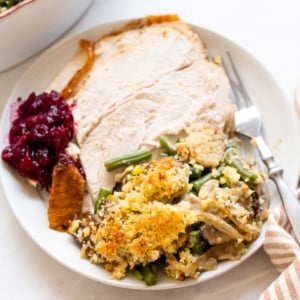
{"x":234,"y":88}
{"x":245,"y":100}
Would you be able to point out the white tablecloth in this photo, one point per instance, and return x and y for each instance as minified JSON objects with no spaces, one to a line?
{"x":269,"y":30}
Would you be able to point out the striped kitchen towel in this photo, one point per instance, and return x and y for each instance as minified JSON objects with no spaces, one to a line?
{"x":284,"y":253}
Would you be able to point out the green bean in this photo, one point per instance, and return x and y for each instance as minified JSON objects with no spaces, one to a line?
{"x":197,"y":244}
{"x":231,"y":159}
{"x":167,"y":145}
{"x":150,"y":277}
{"x":127,"y":160}
{"x":148,"y":274}
{"x":138,"y":274}
{"x":198,"y":183}
{"x":103,"y":193}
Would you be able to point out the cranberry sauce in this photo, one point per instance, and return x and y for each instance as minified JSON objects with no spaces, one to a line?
{"x":38,"y":136}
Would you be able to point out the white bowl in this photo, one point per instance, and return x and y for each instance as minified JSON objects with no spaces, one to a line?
{"x":32,"y":25}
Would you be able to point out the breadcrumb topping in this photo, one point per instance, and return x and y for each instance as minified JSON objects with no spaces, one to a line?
{"x":205,"y":145}
{"x":156,"y":214}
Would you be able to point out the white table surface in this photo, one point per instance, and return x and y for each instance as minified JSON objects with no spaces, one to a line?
{"x":269,"y":30}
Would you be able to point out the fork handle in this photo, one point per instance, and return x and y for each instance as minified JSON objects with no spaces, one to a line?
{"x":290,"y":202}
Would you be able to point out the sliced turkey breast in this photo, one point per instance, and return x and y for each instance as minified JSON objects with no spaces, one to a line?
{"x":146,"y":81}
{"x":170,"y":106}
{"x":128,"y":62}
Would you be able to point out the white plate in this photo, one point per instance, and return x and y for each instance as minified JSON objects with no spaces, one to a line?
{"x":31,"y":210}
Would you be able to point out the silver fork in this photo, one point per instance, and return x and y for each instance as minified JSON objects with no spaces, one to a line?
{"x":248,"y":123}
